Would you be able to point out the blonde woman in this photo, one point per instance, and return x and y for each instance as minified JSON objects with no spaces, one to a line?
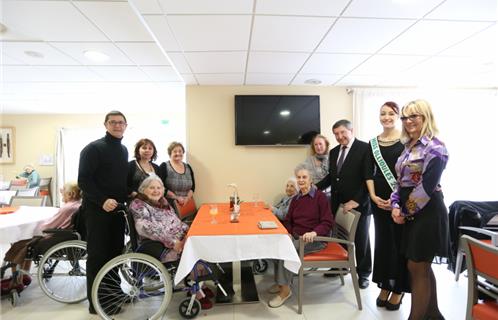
{"x":417,"y":203}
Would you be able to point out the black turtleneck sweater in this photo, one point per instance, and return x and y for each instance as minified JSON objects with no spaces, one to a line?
{"x":103,"y":170}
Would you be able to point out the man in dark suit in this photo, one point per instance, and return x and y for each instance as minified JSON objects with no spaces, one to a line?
{"x":349,"y":168}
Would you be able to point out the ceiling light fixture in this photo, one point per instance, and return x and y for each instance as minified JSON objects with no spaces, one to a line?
{"x":266,"y":132}
{"x":285,"y":113}
{"x":95,"y":56}
{"x":313,"y":81}
{"x":34,"y":54}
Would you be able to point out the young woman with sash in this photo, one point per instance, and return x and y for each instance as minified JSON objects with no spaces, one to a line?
{"x":389,"y":269}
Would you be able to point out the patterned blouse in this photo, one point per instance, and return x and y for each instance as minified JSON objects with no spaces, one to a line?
{"x":158,"y":224}
{"x":179,"y":183}
{"x":419,"y":171}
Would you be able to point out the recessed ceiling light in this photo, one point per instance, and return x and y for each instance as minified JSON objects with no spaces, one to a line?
{"x":313,"y":81}
{"x":285,"y":113}
{"x":33,"y":54}
{"x":96,"y":56}
{"x":266,"y":132}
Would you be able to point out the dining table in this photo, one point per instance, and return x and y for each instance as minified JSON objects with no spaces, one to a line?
{"x":24,"y":222}
{"x":243,"y":241}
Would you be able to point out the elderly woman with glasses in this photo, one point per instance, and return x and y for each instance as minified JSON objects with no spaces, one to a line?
{"x":417,"y":202}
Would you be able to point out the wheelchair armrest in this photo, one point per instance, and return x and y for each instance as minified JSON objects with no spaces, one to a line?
{"x":492,"y":234}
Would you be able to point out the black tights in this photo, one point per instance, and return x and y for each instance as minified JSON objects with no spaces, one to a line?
{"x":424,"y":294}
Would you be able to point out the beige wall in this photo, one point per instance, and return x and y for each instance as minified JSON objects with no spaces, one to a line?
{"x":36,"y":135}
{"x":216,"y":159}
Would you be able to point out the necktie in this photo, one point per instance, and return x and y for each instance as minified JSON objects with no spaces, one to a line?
{"x":341,"y":159}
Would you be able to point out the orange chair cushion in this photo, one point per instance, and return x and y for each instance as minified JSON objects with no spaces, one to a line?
{"x":485,"y":311}
{"x":333,"y":252}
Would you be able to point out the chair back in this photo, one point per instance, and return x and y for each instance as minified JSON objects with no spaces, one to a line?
{"x":189,"y":209}
{"x":346,"y":223}
{"x":6,"y":195}
{"x":482,"y":260}
{"x":31,"y":192}
{"x":45,"y":189}
{"x":28,"y":201}
{"x":18,"y":184}
{"x":45,"y":183}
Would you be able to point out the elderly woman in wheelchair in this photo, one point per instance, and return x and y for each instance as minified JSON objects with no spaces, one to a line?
{"x":139,"y":283}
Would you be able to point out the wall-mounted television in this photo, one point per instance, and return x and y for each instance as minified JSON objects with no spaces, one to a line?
{"x":268,"y":120}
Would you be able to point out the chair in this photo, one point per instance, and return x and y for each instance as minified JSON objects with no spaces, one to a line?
{"x":46,"y":190}
{"x":339,"y":254}
{"x":31,"y":192}
{"x":18,"y":184}
{"x":6,"y":195}
{"x":187,"y":212}
{"x":28,"y":201}
{"x":459,"y":259}
{"x":482,"y":260}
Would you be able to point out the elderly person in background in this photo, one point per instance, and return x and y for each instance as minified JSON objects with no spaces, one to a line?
{"x":29,"y":173}
{"x":318,"y":162}
{"x":161,"y":233}
{"x":142,"y":166}
{"x":418,"y":204}
{"x":178,"y":176}
{"x":282,"y":207}
{"x":309,"y":216}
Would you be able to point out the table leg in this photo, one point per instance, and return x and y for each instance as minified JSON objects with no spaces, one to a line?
{"x":239,"y":283}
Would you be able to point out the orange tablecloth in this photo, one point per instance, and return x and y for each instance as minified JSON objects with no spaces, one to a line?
{"x":226,"y":242}
{"x":250,"y":215}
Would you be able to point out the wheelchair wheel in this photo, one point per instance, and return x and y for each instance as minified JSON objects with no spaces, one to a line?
{"x":135,"y":285}
{"x":62,"y":272}
{"x":194,"y":310}
{"x":259,"y":266}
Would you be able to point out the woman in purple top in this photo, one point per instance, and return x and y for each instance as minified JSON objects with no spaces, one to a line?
{"x":309,"y":216}
{"x":417,"y":203}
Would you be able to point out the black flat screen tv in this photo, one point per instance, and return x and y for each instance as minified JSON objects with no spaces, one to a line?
{"x":276,"y":120}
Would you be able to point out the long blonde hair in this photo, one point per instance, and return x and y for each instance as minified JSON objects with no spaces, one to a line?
{"x":423,"y":108}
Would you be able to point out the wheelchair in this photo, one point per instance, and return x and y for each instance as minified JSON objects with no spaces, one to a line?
{"x":61,"y":261}
{"x":136,"y":285}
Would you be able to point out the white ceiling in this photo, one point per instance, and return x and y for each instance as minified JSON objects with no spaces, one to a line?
{"x":157,"y":46}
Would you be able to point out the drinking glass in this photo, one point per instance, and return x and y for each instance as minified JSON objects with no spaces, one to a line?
{"x":255,"y":199}
{"x":213,"y":211}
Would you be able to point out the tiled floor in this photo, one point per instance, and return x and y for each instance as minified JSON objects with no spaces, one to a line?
{"x":324,"y":299}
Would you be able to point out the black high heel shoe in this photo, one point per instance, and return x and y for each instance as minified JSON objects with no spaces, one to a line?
{"x":393,"y":307}
{"x":382,"y":303}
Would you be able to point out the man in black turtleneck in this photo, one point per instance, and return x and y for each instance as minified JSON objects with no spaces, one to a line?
{"x":102,"y":176}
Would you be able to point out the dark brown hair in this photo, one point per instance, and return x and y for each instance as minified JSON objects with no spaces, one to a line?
{"x":142,"y":142}
{"x":114,"y":113}
{"x":393,"y":105}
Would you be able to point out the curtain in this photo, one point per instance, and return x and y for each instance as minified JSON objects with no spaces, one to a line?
{"x":466,"y":120}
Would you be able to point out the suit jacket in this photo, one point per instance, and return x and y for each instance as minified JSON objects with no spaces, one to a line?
{"x":349,"y":184}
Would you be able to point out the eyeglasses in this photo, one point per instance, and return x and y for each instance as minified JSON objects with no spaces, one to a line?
{"x":116,"y":123}
{"x":410,"y":117}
